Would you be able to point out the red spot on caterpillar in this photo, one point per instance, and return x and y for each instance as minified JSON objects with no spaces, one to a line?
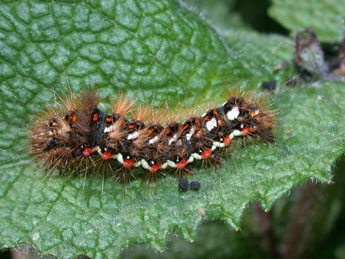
{"x":154,"y":168}
{"x":182,"y":164}
{"x":106,"y":155}
{"x":128,"y":163}
{"x":227,"y":141}
{"x":245,"y":131}
{"x":87,"y":151}
{"x":206,"y":153}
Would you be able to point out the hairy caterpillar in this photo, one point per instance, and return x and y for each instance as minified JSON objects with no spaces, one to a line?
{"x":76,"y":136}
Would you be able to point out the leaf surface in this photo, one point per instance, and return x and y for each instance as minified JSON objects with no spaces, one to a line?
{"x":161,"y":51}
{"x":325,"y":17}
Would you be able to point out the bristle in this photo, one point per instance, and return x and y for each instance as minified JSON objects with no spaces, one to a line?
{"x":142,"y":113}
{"x":123,"y":105}
{"x":158,"y":116}
{"x":88,"y":100}
{"x":77,"y":137}
{"x":69,"y":102}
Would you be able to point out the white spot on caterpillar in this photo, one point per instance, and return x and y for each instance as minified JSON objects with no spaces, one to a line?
{"x":134,"y":135}
{"x":153,"y":140}
{"x":110,"y":128}
{"x":190,"y":134}
{"x":210,"y":125}
{"x":233,"y":113}
{"x":173,"y":139}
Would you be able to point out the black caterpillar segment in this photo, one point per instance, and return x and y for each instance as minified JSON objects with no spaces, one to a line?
{"x":78,"y":135}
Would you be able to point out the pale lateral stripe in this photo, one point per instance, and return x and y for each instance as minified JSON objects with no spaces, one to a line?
{"x":171,"y":164}
{"x":99,"y":150}
{"x":197,"y":156}
{"x":120,"y":158}
{"x":144,"y":164}
{"x":191,"y":159}
{"x":218,"y":144}
{"x":235,"y":133}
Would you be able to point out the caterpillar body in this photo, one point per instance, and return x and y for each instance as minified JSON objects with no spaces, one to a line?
{"x":75,"y":135}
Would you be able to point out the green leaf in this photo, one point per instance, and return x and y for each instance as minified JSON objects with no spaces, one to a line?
{"x":220,"y":13}
{"x":325,"y":17}
{"x":156,"y":50}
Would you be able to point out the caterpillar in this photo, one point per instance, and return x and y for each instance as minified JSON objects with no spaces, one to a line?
{"x":74,"y":135}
